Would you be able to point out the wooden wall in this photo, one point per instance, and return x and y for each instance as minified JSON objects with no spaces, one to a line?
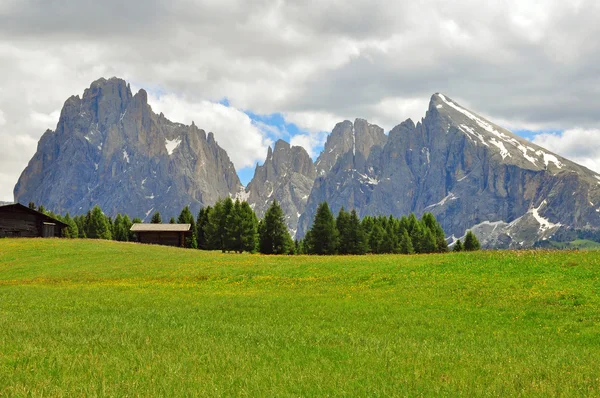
{"x":18,"y":222}
{"x":160,"y":238}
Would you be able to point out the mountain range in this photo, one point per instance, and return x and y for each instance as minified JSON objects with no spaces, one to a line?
{"x":109,"y":148}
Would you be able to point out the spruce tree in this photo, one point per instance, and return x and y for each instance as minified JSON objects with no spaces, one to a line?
{"x":156,"y":219}
{"x":342,"y":223}
{"x":214,"y":230}
{"x":127,"y":225}
{"x":71,"y":231}
{"x":274,"y":236}
{"x":98,"y":227}
{"x":324,"y":236}
{"x":458,"y":246}
{"x":358,"y":237}
{"x":201,"y":227}
{"x":186,"y":217}
{"x":376,"y":239}
{"x":471,"y":242}
{"x":233,"y":229}
{"x":405,"y":246}
{"x":172,"y":220}
{"x":120,"y":232}
{"x":249,"y":228}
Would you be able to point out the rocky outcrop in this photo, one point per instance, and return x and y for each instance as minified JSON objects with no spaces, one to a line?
{"x":469,"y":173}
{"x":110,"y":149}
{"x":287,"y":175}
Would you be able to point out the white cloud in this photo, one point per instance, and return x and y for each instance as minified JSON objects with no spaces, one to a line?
{"x":2,"y":119}
{"x":522,"y":63}
{"x":310,"y":142}
{"x":579,"y":145}
{"x":245,"y":141}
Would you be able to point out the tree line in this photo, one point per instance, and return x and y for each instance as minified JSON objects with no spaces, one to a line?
{"x":232,"y":226}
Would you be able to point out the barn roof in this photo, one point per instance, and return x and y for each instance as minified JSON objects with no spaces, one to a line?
{"x":161,"y":227}
{"x":45,"y":217}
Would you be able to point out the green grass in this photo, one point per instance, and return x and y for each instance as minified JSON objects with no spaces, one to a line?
{"x":578,"y":244}
{"x":110,"y":319}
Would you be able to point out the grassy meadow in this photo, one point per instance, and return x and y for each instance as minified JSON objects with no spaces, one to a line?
{"x":82,"y":317}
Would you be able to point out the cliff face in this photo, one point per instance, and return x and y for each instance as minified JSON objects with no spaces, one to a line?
{"x":287,"y":176}
{"x":110,"y":149}
{"x":469,"y":173}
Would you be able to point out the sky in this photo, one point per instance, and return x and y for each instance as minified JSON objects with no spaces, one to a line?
{"x":254,"y":71}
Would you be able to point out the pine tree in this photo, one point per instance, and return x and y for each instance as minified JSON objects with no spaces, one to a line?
{"x":471,"y":242}
{"x":127,"y":225}
{"x":120,"y":232}
{"x":32,"y":205}
{"x":172,"y":220}
{"x":186,"y":217}
{"x":324,"y":236}
{"x":376,"y":239}
{"x":233,"y":229}
{"x":214,"y":230}
{"x":274,"y":236}
{"x":249,"y":228}
{"x":156,"y":218}
{"x":440,"y":239}
{"x":98,"y":226}
{"x":201,"y":227}
{"x":458,"y":246}
{"x":81,"y":227}
{"x":71,"y":231}
{"x":405,"y":245}
{"x":358,"y":238}
{"x":342,"y":223}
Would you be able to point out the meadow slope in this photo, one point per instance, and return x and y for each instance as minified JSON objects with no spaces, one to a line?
{"x":81,"y":317}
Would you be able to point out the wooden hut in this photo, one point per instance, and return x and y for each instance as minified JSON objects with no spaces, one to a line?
{"x":162,"y":234}
{"x":17,"y":220}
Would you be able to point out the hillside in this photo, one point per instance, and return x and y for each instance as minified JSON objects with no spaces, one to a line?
{"x":105,"y":318}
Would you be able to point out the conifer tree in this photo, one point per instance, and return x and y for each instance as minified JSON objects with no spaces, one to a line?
{"x":186,"y":217}
{"x":156,"y":219}
{"x":249,"y":228}
{"x":98,"y":227}
{"x":72,"y":231}
{"x":405,"y":245}
{"x":471,"y":242}
{"x":127,"y":225}
{"x":324,"y":236}
{"x":274,"y":236}
{"x":172,"y":220}
{"x":358,"y":237}
{"x":120,"y":232}
{"x":201,"y":227}
{"x":342,"y":223}
{"x":233,"y":228}
{"x":458,"y":246}
{"x":214,"y":230}
{"x":376,"y":239}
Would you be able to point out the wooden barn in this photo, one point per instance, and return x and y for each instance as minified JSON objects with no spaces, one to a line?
{"x":162,"y":234}
{"x":17,"y":220}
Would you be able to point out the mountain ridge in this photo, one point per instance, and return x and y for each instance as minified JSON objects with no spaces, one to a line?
{"x":111,"y":149}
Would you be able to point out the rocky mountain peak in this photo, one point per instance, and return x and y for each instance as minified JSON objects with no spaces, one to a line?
{"x":287,"y":175}
{"x":110,"y":149}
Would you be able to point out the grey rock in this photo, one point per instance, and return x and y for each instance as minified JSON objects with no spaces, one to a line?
{"x":287,"y":175}
{"x":110,"y":149}
{"x":470,"y":173}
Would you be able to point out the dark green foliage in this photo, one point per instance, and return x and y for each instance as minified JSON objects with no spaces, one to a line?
{"x":357,"y":235}
{"x":98,"y":226}
{"x":31,"y":205}
{"x":186,"y":217}
{"x":458,"y":246}
{"x":172,"y":220}
{"x":405,"y":245}
{"x":233,"y":229}
{"x":471,"y":242}
{"x":248,"y":228}
{"x":72,"y":231}
{"x":156,"y":219}
{"x":323,"y":233}
{"x":342,"y":223}
{"x":274,"y":237}
{"x":376,"y":239}
{"x":120,"y":231}
{"x":201,"y":228}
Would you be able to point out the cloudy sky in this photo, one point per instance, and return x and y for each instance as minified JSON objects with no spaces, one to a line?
{"x":253,"y":71}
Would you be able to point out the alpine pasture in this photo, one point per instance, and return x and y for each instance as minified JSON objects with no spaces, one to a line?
{"x":101,"y":318}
